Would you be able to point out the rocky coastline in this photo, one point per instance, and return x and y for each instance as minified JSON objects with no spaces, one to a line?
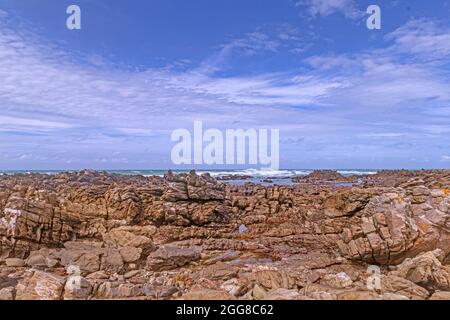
{"x":96,"y":235}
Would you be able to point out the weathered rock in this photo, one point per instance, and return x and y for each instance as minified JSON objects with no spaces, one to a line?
{"x":322,"y":296}
{"x":358,"y":295}
{"x":273,"y":279}
{"x":130,"y":254}
{"x":111,"y":260}
{"x":227,"y":256}
{"x":393,"y":296}
{"x":340,"y":280}
{"x":7,"y":293}
{"x":115,"y":290}
{"x":40,"y":285}
{"x":15,"y":262}
{"x":235,"y":241}
{"x":258,"y":292}
{"x":219,"y":271}
{"x":170,"y":257}
{"x":236,"y":287}
{"x":131,"y":274}
{"x":124,"y":237}
{"x":401,"y":286}
{"x":282,"y":294}
{"x":426,"y":270}
{"x":36,"y":260}
{"x":440,"y":295}
{"x":86,"y":260}
{"x":200,"y":293}
{"x":77,"y":288}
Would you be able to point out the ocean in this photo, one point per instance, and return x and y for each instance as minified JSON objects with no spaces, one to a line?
{"x":280,"y":177}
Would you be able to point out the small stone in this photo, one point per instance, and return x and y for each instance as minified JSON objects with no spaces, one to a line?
{"x":258,"y":292}
{"x":242,"y":228}
{"x":132,"y":266}
{"x":52,"y":263}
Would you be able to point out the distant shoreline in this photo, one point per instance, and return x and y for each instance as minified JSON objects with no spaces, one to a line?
{"x":283,"y":177}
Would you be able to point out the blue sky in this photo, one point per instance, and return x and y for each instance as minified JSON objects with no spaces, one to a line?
{"x":109,"y":95}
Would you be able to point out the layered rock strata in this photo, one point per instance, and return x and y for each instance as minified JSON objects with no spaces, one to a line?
{"x":94,"y":235}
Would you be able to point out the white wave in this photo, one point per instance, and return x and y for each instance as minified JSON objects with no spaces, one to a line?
{"x":356,"y":172}
{"x":302,"y":172}
{"x":258,"y":173}
{"x":219,"y":173}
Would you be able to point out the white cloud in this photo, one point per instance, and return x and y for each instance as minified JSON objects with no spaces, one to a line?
{"x":332,"y":102}
{"x":327,"y":7}
{"x":268,"y":90}
{"x":248,"y":45}
{"x":136,"y":131}
{"x":383,"y":135}
{"x":330,"y":62}
{"x":404,"y":72}
{"x":4,"y":120}
{"x":424,"y":38}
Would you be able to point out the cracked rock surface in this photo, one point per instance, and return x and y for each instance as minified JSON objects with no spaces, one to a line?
{"x":95,"y":235}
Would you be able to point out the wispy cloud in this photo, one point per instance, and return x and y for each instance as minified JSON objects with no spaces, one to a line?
{"x":327,"y":7}
{"x":261,"y":42}
{"x":383,"y":135}
{"x":424,"y":38}
{"x":281,"y":89}
{"x":403,"y":72}
{"x":24,"y":124}
{"x":363,"y":105}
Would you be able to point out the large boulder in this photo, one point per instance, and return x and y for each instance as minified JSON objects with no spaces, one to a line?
{"x":426,"y":270}
{"x":38,"y":285}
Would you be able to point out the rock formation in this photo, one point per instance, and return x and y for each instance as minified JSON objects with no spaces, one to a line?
{"x":95,"y":235}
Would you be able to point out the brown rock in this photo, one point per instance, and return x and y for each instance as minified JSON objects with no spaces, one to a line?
{"x":200,"y":293}
{"x":358,"y":295}
{"x":15,"y":262}
{"x":7,"y":293}
{"x":339,"y":280}
{"x":401,"y":286}
{"x":274,"y":279}
{"x":170,"y":257}
{"x":121,"y":237}
{"x":40,"y":286}
{"x":282,"y":294}
{"x":77,"y":288}
{"x":426,"y":270}
{"x":219,"y":271}
{"x":130,"y":254}
{"x":440,"y":295}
